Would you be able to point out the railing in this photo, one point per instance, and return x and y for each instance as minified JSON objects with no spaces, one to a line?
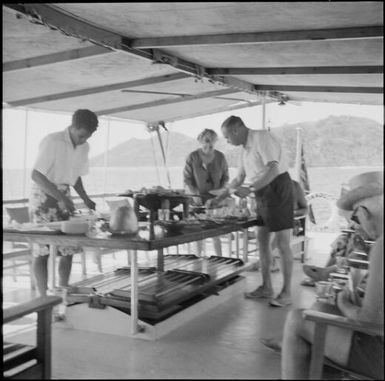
{"x":25,"y":200}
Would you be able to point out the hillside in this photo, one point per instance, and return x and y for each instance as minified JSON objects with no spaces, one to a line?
{"x":334,"y":141}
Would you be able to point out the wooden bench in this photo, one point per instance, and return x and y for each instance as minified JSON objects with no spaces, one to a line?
{"x":26,"y":361}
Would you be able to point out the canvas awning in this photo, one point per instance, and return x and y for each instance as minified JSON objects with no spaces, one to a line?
{"x":168,"y":61}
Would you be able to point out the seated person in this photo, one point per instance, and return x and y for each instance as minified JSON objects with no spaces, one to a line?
{"x":354,"y":350}
{"x":343,"y":247}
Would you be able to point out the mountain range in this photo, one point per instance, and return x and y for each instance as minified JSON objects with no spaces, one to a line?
{"x":331,"y":142}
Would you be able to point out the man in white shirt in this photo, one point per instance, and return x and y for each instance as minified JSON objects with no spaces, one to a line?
{"x":263,"y":164}
{"x":62,"y":160}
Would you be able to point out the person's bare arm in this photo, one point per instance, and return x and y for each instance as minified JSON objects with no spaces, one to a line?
{"x":372,"y":308}
{"x":51,"y":189}
{"x":301,"y":208}
{"x":228,"y":190}
{"x":83,"y":195}
{"x":268,"y":177}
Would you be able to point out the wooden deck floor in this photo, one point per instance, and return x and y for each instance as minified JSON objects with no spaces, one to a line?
{"x":222,"y":343}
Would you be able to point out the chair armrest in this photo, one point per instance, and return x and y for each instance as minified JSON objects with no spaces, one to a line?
{"x":343,"y":322}
{"x":35,"y":305}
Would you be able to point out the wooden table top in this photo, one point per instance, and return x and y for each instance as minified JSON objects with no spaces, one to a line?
{"x":127,"y":242}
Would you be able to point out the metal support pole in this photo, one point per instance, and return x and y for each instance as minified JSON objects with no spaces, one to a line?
{"x":25,"y":153}
{"x":264,"y":111}
{"x":298,"y":154}
{"x":52,"y":266}
{"x":245,"y":244}
{"x":237,"y":243}
{"x":106,"y":157}
{"x":160,"y":260}
{"x":230,"y":248}
{"x":134,"y":292}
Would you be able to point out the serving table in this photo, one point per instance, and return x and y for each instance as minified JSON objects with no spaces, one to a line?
{"x":132,"y":244}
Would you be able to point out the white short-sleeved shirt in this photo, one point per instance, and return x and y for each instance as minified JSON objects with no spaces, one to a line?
{"x":261,"y":147}
{"x":59,"y":161}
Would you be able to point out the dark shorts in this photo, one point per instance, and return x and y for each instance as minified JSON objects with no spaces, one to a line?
{"x":275,"y":204}
{"x":367,"y":355}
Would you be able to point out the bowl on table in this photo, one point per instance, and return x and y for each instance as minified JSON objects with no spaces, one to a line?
{"x":74,"y":227}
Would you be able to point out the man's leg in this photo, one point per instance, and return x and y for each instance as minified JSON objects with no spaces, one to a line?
{"x":65,"y":265}
{"x":217,"y":246}
{"x":263,"y":236}
{"x":283,"y":244}
{"x":40,"y":269}
{"x":296,"y":350}
{"x":266,"y":290}
{"x":298,"y":335}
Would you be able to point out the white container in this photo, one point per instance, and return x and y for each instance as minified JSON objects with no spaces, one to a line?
{"x":74,"y":227}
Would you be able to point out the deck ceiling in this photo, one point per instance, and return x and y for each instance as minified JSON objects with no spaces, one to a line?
{"x":170,"y":61}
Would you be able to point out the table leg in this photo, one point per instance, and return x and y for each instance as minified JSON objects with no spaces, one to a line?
{"x":160,"y":260}
{"x":134,"y":291}
{"x":237,"y":243}
{"x":230,"y":252}
{"x":245,"y":244}
{"x":52,"y":267}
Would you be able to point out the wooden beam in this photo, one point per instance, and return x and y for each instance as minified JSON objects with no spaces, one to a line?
{"x":297,"y":70}
{"x":55,"y":18}
{"x":218,"y":109}
{"x":99,"y":89}
{"x":323,"y":89}
{"x":260,"y":37}
{"x":48,"y":59}
{"x":167,"y":101}
{"x":71,"y":25}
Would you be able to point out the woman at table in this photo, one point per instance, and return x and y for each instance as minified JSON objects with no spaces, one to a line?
{"x":206,"y":169}
{"x":61,"y":161}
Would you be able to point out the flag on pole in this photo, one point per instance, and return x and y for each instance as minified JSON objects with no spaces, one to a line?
{"x":304,"y":181}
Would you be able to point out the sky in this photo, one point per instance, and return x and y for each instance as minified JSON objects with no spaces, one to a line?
{"x":41,"y":123}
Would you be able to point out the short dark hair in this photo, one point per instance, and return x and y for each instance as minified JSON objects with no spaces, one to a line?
{"x":86,"y":119}
{"x":233,"y":121}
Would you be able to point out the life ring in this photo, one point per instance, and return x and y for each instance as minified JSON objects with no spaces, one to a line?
{"x":334,"y":216}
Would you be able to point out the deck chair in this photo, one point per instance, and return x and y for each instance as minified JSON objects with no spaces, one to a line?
{"x":30,"y":361}
{"x":19,"y":253}
{"x":322,"y":321}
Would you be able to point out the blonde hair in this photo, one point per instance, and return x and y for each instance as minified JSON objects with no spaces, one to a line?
{"x":211,"y":134}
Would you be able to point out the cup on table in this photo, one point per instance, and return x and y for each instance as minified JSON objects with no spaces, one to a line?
{"x":323,"y":289}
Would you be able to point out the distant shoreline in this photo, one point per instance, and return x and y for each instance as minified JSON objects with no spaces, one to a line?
{"x":173,"y":167}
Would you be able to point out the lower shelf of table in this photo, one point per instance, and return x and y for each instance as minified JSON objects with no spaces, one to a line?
{"x":116,"y":322}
